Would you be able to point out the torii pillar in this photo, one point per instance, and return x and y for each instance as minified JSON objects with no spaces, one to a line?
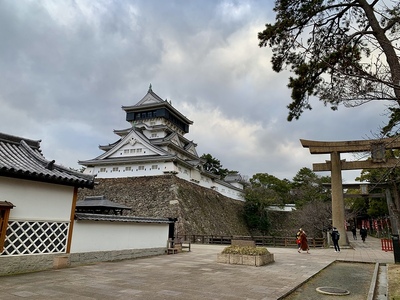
{"x":336,"y":165}
{"x":338,"y":218}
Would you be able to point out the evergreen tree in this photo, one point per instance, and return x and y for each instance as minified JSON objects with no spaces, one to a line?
{"x":213,"y":165}
{"x":343,"y":52}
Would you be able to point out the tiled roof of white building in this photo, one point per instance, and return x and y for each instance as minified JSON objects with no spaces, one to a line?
{"x":99,"y":201}
{"x":22,"y":158}
{"x":115,"y":218}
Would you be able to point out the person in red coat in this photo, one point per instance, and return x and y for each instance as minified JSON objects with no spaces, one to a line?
{"x":303,"y":241}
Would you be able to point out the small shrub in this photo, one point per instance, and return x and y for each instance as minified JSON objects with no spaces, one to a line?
{"x":245,"y":250}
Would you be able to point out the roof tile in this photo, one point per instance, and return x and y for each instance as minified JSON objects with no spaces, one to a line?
{"x":115,"y":218}
{"x":22,"y":158}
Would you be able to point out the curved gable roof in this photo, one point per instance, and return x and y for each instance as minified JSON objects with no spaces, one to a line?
{"x":150,"y":101}
{"x":22,"y":158}
{"x":135,"y":135}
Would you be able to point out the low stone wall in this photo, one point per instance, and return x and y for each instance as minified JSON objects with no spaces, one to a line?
{"x":10,"y":265}
{"x":27,"y":263}
{"x":249,"y":260}
{"x":76,"y":259}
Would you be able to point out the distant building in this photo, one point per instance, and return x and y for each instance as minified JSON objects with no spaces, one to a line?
{"x":282,"y":208}
{"x":100,"y":205}
{"x":155,"y":145}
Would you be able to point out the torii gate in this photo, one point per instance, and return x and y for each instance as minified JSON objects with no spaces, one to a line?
{"x":377,"y":149}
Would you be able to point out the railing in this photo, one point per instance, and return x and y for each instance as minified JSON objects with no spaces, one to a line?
{"x":387,"y":245}
{"x":268,"y":241}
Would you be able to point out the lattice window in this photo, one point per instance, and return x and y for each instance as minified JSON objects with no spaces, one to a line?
{"x":34,"y":237}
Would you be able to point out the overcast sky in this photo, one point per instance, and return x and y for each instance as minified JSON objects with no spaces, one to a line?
{"x":67,"y":67}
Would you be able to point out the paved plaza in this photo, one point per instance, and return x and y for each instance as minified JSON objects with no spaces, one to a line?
{"x":189,"y":275}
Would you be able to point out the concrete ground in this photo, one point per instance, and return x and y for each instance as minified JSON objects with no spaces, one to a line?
{"x":188,"y":275}
{"x":351,"y":280}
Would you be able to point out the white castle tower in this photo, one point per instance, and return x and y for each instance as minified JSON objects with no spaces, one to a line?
{"x":155,"y":145}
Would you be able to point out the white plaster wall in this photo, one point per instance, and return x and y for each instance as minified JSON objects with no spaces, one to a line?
{"x":237,"y":184}
{"x":195,"y":174}
{"x":222,"y":189}
{"x":120,"y":152}
{"x":37,"y":200}
{"x":134,"y":172}
{"x":91,"y":236}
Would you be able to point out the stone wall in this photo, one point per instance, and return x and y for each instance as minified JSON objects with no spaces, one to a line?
{"x":10,"y":265}
{"x":76,"y":259}
{"x":199,"y":210}
{"x":26,"y":263}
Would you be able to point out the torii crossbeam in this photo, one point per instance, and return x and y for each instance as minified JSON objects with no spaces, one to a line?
{"x":377,"y":149}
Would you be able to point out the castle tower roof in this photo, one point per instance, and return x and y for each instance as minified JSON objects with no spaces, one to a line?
{"x":152,"y":106}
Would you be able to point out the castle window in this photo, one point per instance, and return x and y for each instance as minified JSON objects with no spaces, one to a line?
{"x":126,"y":151}
{"x":154,"y":135}
{"x":102,"y":170}
{"x":128,"y":168}
{"x":141,"y":168}
{"x":139,"y":150}
{"x":115,"y":169}
{"x":154,"y":167}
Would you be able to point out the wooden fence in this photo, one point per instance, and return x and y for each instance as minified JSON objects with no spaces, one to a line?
{"x":268,"y":241}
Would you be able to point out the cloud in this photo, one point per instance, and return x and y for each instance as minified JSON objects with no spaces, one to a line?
{"x":68,"y":66}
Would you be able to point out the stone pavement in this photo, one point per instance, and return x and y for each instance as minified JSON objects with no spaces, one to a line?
{"x":188,"y":275}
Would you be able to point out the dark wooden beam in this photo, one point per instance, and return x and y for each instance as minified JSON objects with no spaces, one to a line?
{"x":357,"y":165}
{"x":378,"y":195}
{"x":323,"y":147}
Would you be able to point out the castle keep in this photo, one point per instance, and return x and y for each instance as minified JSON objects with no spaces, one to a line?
{"x":155,"y":145}
{"x":156,"y":171}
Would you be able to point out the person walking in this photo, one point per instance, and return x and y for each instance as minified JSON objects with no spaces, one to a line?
{"x":335,"y":239}
{"x":298,"y":241}
{"x":303,"y":241}
{"x":363,"y":233}
{"x":354,"y":231}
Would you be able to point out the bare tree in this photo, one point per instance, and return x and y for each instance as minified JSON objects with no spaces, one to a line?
{"x":314,"y":217}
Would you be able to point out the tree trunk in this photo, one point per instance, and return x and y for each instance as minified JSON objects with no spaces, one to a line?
{"x":387,"y":47}
{"x":393,"y":209}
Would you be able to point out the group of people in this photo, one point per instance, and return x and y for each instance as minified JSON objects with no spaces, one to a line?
{"x":302,"y":243}
{"x":363,"y":233}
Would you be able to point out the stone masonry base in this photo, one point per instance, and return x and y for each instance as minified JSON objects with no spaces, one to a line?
{"x":38,"y":262}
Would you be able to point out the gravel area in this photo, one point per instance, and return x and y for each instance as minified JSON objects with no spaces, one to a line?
{"x":354,"y":277}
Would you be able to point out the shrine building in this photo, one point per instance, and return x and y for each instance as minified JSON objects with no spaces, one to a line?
{"x":155,"y":145}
